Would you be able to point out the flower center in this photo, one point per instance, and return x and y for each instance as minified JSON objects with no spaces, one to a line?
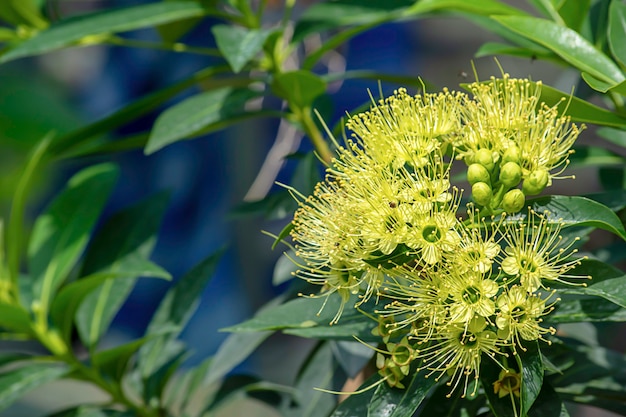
{"x":431,"y":233}
{"x":471,"y":294}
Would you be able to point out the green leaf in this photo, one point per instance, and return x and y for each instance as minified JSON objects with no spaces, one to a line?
{"x":238,"y":387}
{"x":357,"y":405}
{"x":615,"y":136}
{"x":489,"y":374}
{"x":113,"y":362}
{"x":87,"y":28}
{"x":239,"y":45}
{"x":360,"y":327}
{"x":591,"y":375}
{"x":62,"y":232}
{"x":612,"y":289}
{"x":234,"y":350}
{"x":566,"y":43}
{"x":173,"y":313}
{"x":548,"y":404}
{"x":125,"y":239}
{"x":574,"y":12}
{"x":17,"y":382}
{"x":134,"y":110}
{"x":91,"y":411}
{"x":496,"y":48}
{"x":302,"y":313}
{"x":300,"y":87}
{"x":480,"y":7}
{"x":194,"y":114}
{"x":394,"y":402}
{"x":319,"y":371}
{"x":66,"y":303}
{"x":617,"y":30}
{"x":330,"y":15}
{"x":15,"y":318}
{"x":574,"y":211}
{"x":586,"y":310}
{"x":531,"y":364}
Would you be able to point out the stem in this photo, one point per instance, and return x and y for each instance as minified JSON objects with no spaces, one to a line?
{"x":310,"y":128}
{"x":163,"y":46}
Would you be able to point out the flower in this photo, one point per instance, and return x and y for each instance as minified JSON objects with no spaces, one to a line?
{"x":535,"y":251}
{"x":404,"y":129}
{"x":473,"y":294}
{"x":520,"y":315}
{"x":459,"y":352}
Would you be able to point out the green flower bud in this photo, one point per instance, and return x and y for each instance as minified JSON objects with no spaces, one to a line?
{"x":513,"y":201}
{"x":536,"y":182}
{"x":484,"y":157}
{"x":482,"y":193}
{"x":512,"y":154}
{"x":510,"y":174}
{"x":478,"y":173}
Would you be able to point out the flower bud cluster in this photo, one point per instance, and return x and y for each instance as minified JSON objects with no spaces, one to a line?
{"x":448,"y":289}
{"x":512,"y":143}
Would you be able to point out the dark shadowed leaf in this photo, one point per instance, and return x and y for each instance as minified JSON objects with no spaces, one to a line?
{"x":87,"y":28}
{"x":124,"y":240}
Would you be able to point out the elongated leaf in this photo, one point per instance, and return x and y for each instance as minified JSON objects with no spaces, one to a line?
{"x":175,"y":310}
{"x":239,"y":45}
{"x":612,"y":289}
{"x":133,"y":110}
{"x":237,"y":387}
{"x":574,"y":12}
{"x":329,"y":15}
{"x":194,"y":114}
{"x":71,"y":31}
{"x":126,"y":236}
{"x":91,"y":411}
{"x":548,"y":404}
{"x":113,"y":362}
{"x":16,"y":383}
{"x":532,"y":375}
{"x":394,"y":402}
{"x":617,"y":31}
{"x":479,"y":7}
{"x":15,"y":318}
{"x":319,"y":371}
{"x":360,"y":327}
{"x":575,"y":211}
{"x":300,"y":87}
{"x":302,"y":313}
{"x":70,"y":297}
{"x":586,"y":310}
{"x":234,"y":350}
{"x":566,"y":43}
{"x":593,"y":376}
{"x":62,"y":232}
{"x":496,"y":48}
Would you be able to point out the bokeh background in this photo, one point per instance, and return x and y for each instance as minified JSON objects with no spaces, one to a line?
{"x":209,"y":176}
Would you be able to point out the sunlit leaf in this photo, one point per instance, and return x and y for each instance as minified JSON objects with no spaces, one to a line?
{"x":566,"y":43}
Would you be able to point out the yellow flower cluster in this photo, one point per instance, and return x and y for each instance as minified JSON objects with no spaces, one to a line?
{"x":452,"y":288}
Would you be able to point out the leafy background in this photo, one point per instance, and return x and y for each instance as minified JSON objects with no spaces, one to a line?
{"x":208,"y":178}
